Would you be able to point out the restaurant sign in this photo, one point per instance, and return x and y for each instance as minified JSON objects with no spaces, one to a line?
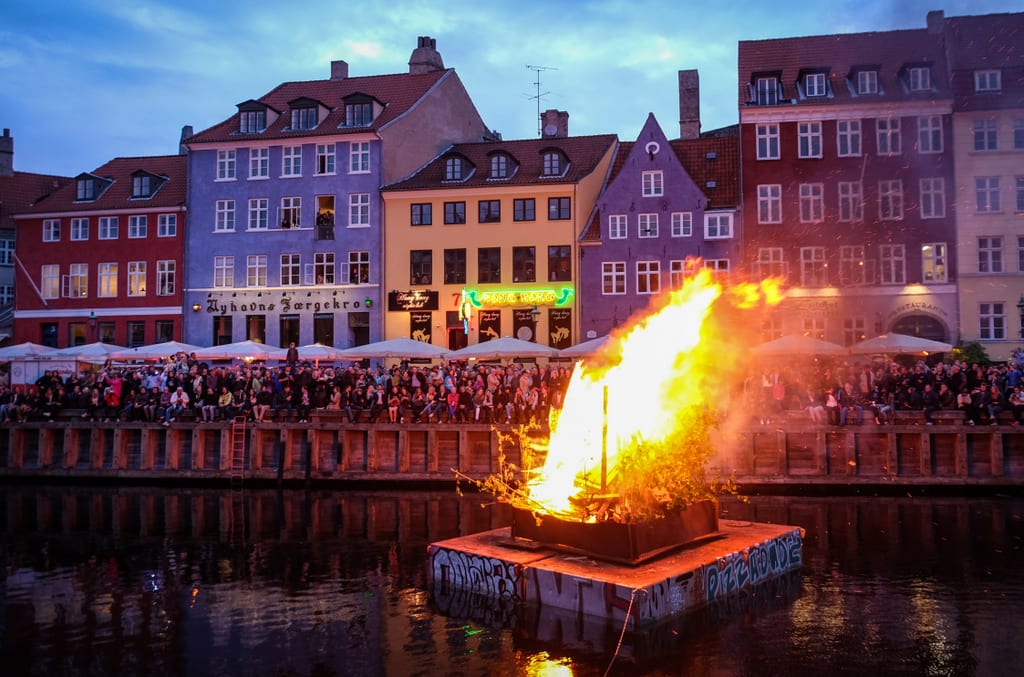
{"x":518,"y":297}
{"x":414,"y":299}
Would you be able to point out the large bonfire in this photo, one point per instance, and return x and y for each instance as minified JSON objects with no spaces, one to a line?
{"x":631,"y":440}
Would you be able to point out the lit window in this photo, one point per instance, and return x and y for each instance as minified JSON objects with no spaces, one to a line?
{"x":76,"y":284}
{"x":648,"y":277}
{"x":613,"y":278}
{"x":933,"y":260}
{"x":50,"y":281}
{"x":106,"y":280}
{"x":136,"y":278}
{"x":165,"y":278}
{"x":359,"y":267}
{"x":323,"y":267}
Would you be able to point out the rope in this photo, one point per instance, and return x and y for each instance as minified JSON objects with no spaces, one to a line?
{"x":625,"y":624}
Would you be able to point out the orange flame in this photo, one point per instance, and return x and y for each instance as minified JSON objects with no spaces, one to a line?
{"x":672,"y":359}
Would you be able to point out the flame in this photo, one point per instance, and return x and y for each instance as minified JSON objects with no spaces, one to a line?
{"x":673,"y":359}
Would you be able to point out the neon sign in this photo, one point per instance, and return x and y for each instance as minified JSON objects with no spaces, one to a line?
{"x":517,"y":297}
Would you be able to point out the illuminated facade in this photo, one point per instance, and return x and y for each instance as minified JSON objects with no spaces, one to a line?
{"x":482,"y":242}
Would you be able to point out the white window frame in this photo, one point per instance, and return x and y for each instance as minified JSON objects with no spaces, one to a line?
{"x":848,"y":138}
{"x":991,"y":321}
{"x":167,"y":225}
{"x":919,"y":78}
{"x":933,"y":197}
{"x":990,"y":254}
{"x":852,"y":265}
{"x":138,"y":226}
{"x":166,"y":277}
{"x":985,"y":134}
{"x":851,"y":201}
{"x":648,"y":278}
{"x":768,"y":141}
{"x":986,"y":195}
{"x":717,"y":267}
{"x":1019,"y":192}
{"x":892,"y":259}
{"x":770,"y":262}
{"x":359,"y":157}
{"x":867,"y":82}
{"x":136,"y":278}
{"x":291,"y":269}
{"x":358,"y":262}
{"x":49,"y":281}
{"x":929,"y":134}
{"x":359,"y":210}
{"x":291,"y":211}
{"x":652,"y":183}
{"x":814,"y":85}
{"x":812,"y":202}
{"x":678,"y":270}
{"x":107,"y":228}
{"x":256,"y":270}
{"x":934,"y":263}
{"x":718,"y":225}
{"x":226,"y":165}
{"x":51,"y":230}
{"x":106,"y":280}
{"x":6,"y":252}
{"x":324,"y":267}
{"x":259,"y":214}
{"x":767,"y":91}
{"x":769,"y":203}
{"x":613,"y":278}
{"x":1018,"y":133}
{"x":888,"y":136}
{"x":890,"y":200}
{"x":647,"y":225}
{"x":224,"y":271}
{"x":291,"y":161}
{"x":326,"y":157}
{"x":813,"y":267}
{"x":224,"y":217}
{"x":79,"y":229}
{"x":77,"y":281}
{"x":259,"y":163}
{"x":618,"y":227}
{"x":809,"y":140}
{"x":682,"y":224}
{"x":988,"y":81}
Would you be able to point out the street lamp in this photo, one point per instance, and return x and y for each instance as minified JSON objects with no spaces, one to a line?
{"x":92,"y":326}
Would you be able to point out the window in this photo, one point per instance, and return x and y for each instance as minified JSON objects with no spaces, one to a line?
{"x":136,"y":278}
{"x":767,"y":91}
{"x":893,"y":263}
{"x":325,"y":156}
{"x":559,"y":263}
{"x":1019,"y":190}
{"x":677,"y":273}
{"x":769,"y":203}
{"x":86,"y":190}
{"x":77,"y":281}
{"x":453,"y":169}
{"x":769,"y":262}
{"x":1020,"y":253}
{"x":454,"y":212}
{"x":142,"y":184}
{"x":291,"y":212}
{"x":652,"y":184}
{"x":890,"y":200}
{"x":421,"y":214}
{"x":887,"y":136}
{"x":987,"y":81}
{"x":225,"y":220}
{"x":617,"y":227}
{"x":648,"y":277}
{"x":304,"y":118}
{"x":488,"y":261}
{"x":108,"y":228}
{"x":323,"y":267}
{"x":933,"y":198}
{"x":358,"y":114}
{"x":325,"y":217}
{"x":848,"y":138}
{"x":225,"y":166}
{"x":164,"y":330}
{"x":291,"y":270}
{"x":613,"y":278}
{"x":933,"y":261}
{"x":359,"y":267}
{"x":854,"y":330}
{"x":167,"y":225}
{"x":986,"y":191}
{"x":165,"y":278}
{"x":558,"y":208}
{"x":258,"y":211}
{"x":812,"y":202}
{"x":985,"y":135}
{"x":79,"y":229}
{"x":524,"y":209}
{"x":992,"y":321}
{"x":814,"y":327}
{"x":929,"y":134}
{"x":421,"y":266}
{"x":252,"y":121}
{"x":768,"y":141}
{"x":136,"y":333}
{"x":106,"y":280}
{"x":717,"y":267}
{"x":867,"y":82}
{"x":524,"y":264}
{"x":647,"y":225}
{"x":552,"y":164}
{"x":359,"y":210}
{"x":359,"y":157}
{"x":852,"y":268}
{"x":291,"y":161}
{"x":455,"y":266}
{"x":813,"y":267}
{"x":259,"y":163}
{"x":256,"y":270}
{"x":223,"y":271}
{"x":809,"y":139}
{"x":919,"y":78}
{"x":49,"y":281}
{"x":6,"y":252}
{"x":1018,"y":133}
{"x":717,"y":226}
{"x":490,"y":211}
{"x":814,"y":84}
{"x":499,"y":166}
{"x":851,"y":201}
{"x":682,"y":224}
{"x":138,"y":226}
{"x":51,"y":230}
{"x":990,"y":254}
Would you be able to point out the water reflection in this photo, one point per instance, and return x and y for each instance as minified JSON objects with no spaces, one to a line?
{"x":144,"y":581}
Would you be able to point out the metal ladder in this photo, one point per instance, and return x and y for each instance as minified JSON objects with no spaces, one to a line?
{"x":237,"y":475}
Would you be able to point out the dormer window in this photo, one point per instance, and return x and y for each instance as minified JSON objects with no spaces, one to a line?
{"x":766,"y":90}
{"x":919,"y":78}
{"x":304,"y":118}
{"x":252,"y":117}
{"x":145,"y":185}
{"x":86,"y":189}
{"x":987,"y":81}
{"x":814,"y":85}
{"x":554,"y":163}
{"x":453,"y":169}
{"x":499,"y":166}
{"x":866,"y":81}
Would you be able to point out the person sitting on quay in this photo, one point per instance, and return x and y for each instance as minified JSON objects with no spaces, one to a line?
{"x":1016,"y":403}
{"x":930,"y":403}
{"x":178,"y":403}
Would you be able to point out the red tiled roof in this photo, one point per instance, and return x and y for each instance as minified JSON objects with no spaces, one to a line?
{"x":888,"y":50}
{"x":582,"y":152}
{"x":118,"y":194}
{"x":989,"y":41}
{"x":397,"y":92}
{"x":21,"y":190}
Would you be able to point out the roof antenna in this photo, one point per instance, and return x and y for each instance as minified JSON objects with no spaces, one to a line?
{"x":537,"y":70}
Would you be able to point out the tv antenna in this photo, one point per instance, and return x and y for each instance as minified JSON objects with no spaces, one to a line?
{"x":537,"y":97}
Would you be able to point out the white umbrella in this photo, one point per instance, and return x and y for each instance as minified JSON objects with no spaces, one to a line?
{"x":154,"y":351}
{"x":899,"y":344}
{"x":397,"y":347}
{"x":586,"y":348}
{"x":502,"y":348}
{"x":25,"y":350}
{"x":239,"y":350}
{"x":97,"y":352}
{"x":313,"y":351}
{"x":798,"y":344}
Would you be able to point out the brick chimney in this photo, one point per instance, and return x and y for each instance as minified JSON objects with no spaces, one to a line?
{"x":689,"y":104}
{"x":186,"y":132}
{"x":339,"y":70}
{"x":936,"y":21}
{"x":554,"y":123}
{"x":425,"y":58}
{"x":6,"y":153}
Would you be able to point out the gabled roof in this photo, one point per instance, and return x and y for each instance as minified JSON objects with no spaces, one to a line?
{"x":397,"y":92}
{"x":889,"y":51}
{"x":581,"y":152}
{"x":21,"y":190}
{"x":119,"y":193}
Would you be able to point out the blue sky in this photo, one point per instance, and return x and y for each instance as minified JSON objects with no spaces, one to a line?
{"x":84,"y":81}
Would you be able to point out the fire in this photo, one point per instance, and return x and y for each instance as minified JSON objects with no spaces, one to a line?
{"x":674,"y":360}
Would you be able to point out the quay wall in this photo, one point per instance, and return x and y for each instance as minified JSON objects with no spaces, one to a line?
{"x":792,"y":453}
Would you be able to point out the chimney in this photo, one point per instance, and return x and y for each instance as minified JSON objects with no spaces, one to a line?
{"x":425,"y":58}
{"x":7,"y":153}
{"x":554,"y":123}
{"x":935,"y":21}
{"x":689,"y":105}
{"x":186,"y":132}
{"x":339,"y":70}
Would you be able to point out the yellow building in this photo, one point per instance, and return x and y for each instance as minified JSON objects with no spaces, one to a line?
{"x":482,"y":242}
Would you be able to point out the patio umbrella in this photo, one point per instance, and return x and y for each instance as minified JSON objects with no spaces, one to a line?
{"x":240,"y":350}
{"x":899,"y":344}
{"x":397,"y":347}
{"x":27,"y":350}
{"x":586,"y":348}
{"x":96,"y":353}
{"x":313,"y":352}
{"x":505,"y":348}
{"x":154,"y":351}
{"x":798,"y":344}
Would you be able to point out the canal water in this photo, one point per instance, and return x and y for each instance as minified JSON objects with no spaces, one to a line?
{"x":108,"y":581}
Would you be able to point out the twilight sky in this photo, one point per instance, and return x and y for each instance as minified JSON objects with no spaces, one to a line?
{"x":84,"y":81}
